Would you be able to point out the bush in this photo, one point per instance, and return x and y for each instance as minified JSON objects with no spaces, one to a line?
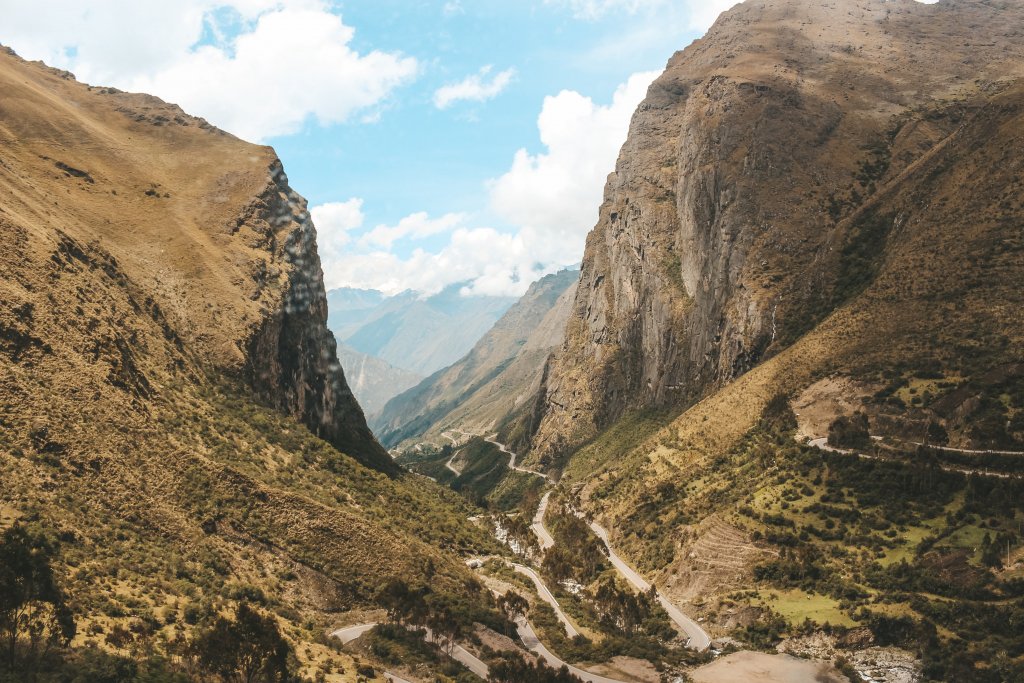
{"x":849,"y":431}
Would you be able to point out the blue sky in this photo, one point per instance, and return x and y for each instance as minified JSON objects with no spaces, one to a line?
{"x":436,"y":141}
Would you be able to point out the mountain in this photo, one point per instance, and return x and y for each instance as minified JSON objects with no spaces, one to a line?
{"x":411,"y":332}
{"x":493,"y":382}
{"x":816,"y":214}
{"x":348,"y":308}
{"x":767,"y":184}
{"x":373,"y":380}
{"x":172,"y":410}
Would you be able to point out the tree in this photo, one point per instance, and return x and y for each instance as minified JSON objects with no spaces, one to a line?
{"x":849,"y":431}
{"x":512,"y":668}
{"x":394,"y":596}
{"x":513,"y":605}
{"x":249,"y":648}
{"x":33,"y":613}
{"x":403,"y":603}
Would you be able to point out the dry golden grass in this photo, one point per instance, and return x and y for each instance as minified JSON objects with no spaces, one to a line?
{"x":138,"y":261}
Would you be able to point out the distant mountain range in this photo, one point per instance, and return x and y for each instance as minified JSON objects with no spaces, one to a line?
{"x":412,"y":336}
{"x":496,"y":381}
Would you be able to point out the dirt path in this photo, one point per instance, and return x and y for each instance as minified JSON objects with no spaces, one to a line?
{"x":822,"y":443}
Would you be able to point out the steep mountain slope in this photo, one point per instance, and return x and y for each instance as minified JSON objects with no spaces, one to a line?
{"x":171,"y":404}
{"x":421,"y":335}
{"x":817,"y":212}
{"x":745,"y":205}
{"x":374,"y":381}
{"x":495,"y":380}
{"x":228,"y":263}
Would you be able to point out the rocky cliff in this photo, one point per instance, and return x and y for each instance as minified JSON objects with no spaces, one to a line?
{"x":226,"y":258}
{"x":291,"y":356}
{"x":817,"y":212}
{"x":738,"y":215}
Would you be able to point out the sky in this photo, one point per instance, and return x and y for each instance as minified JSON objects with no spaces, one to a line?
{"x":437,"y":141}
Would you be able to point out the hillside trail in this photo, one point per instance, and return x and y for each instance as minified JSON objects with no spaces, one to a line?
{"x":821,"y":443}
{"x":493,"y":439}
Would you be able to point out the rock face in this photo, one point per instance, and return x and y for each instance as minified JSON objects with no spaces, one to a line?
{"x":200,"y":229}
{"x":292,"y":359}
{"x":490,"y":388}
{"x":739,"y":213}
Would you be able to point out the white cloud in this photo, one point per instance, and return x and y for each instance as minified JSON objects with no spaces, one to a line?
{"x":414,"y":226}
{"x":550,"y":199}
{"x":689,"y":14}
{"x":704,"y":12}
{"x":452,"y":8}
{"x":595,"y":9}
{"x":291,"y":61}
{"x":334,"y":223}
{"x":559,"y":191}
{"x":475,"y":88}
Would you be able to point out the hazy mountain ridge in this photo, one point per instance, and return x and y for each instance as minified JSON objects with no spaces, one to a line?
{"x":374,"y":381}
{"x":497,"y":379}
{"x":413,"y":332}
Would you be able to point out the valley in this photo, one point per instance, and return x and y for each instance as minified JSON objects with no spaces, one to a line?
{"x":770,"y":429}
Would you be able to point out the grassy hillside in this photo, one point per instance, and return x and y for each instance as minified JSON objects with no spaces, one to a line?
{"x":172,"y":415}
{"x":733,"y":513}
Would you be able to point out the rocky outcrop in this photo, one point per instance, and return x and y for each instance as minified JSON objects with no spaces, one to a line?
{"x":292,"y":358}
{"x":200,"y":229}
{"x":740,"y":210}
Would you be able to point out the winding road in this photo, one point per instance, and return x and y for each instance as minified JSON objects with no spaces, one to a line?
{"x":697,"y":638}
{"x":455,"y":447}
{"x":548,"y":597}
{"x":533,"y":644}
{"x":822,"y":443}
{"x":512,"y":457}
{"x":543,"y":537}
{"x":458,"y":653}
